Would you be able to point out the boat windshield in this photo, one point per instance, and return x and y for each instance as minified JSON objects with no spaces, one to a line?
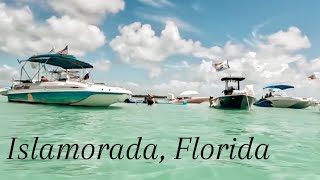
{"x":274,"y":92}
{"x":64,"y":75}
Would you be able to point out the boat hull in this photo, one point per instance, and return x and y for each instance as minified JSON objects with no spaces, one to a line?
{"x":68,"y":93}
{"x":233,"y":102}
{"x":194,"y":100}
{"x":3,"y":92}
{"x":263,"y":103}
{"x":284,"y":102}
{"x":74,"y":98}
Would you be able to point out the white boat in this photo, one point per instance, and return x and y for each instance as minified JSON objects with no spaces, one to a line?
{"x":64,"y":85}
{"x":187,"y":97}
{"x":276,"y":97}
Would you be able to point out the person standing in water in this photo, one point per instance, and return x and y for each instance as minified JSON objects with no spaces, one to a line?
{"x":150,"y":99}
{"x":210,"y":101}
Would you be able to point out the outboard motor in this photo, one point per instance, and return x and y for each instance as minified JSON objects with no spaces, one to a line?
{"x":170,"y":97}
{"x":249,"y":90}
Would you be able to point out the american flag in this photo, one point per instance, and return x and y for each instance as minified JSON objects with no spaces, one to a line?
{"x":63,"y":51}
{"x":312,"y":77}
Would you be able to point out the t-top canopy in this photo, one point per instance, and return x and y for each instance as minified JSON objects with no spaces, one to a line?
{"x":61,"y":60}
{"x":233,"y":79}
{"x":282,"y":87}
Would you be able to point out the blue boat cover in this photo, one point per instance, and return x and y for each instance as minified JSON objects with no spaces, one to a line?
{"x":61,"y":60}
{"x":282,"y":87}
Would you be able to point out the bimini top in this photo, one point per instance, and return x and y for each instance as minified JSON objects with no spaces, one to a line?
{"x":61,"y":60}
{"x":282,"y":87}
{"x":233,"y":79}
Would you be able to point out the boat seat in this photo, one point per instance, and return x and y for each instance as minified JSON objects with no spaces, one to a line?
{"x":239,"y":92}
{"x":227,"y":92}
{"x":63,"y":79}
{"x":25,"y":81}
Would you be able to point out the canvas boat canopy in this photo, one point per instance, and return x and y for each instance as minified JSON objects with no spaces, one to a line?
{"x":233,"y":79}
{"x":60,"y":60}
{"x":282,"y":87}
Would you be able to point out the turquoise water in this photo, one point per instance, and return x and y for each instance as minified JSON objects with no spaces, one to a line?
{"x":293,"y":137}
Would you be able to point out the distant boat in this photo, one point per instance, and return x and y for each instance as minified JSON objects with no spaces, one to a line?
{"x":276,"y":97}
{"x":234,"y":98}
{"x":65,"y":85}
{"x":187,"y":97}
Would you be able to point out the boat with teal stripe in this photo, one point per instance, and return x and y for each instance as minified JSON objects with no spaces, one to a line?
{"x":62,"y":79}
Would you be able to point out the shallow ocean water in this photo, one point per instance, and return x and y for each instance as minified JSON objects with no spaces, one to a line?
{"x":293,"y":137}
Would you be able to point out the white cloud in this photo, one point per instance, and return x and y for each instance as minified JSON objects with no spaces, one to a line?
{"x":80,"y":36}
{"x":281,"y":42}
{"x":269,"y":59}
{"x":291,"y":40}
{"x":22,"y":35}
{"x":256,"y":29}
{"x":308,"y":67}
{"x":7,"y":73}
{"x":89,"y":11}
{"x":157,"y":3}
{"x":233,"y":50}
{"x":102,"y":65}
{"x":180,"y":66}
{"x":183,"y":25}
{"x":154,"y":71}
{"x":139,"y":43}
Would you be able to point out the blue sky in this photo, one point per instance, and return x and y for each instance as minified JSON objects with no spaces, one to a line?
{"x":216,"y":22}
{"x":236,"y":27}
{"x":220,"y":21}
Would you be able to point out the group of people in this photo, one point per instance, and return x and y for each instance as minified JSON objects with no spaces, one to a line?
{"x":229,"y":91}
{"x":211,"y":101}
{"x":44,"y":79}
{"x":63,"y":77}
{"x":267,"y":95}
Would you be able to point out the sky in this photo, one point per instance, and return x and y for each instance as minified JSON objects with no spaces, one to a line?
{"x":167,"y":46}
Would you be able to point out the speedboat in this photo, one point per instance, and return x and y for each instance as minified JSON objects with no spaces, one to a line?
{"x":186,"y":97}
{"x":276,"y":97}
{"x":65,"y":84}
{"x":234,"y":98}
